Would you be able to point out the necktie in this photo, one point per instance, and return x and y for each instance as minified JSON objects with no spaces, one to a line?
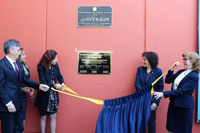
{"x":16,"y":70}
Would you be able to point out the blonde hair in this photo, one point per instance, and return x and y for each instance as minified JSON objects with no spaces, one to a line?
{"x":194,"y":58}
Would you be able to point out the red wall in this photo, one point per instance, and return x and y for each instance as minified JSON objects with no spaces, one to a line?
{"x":166,"y":27}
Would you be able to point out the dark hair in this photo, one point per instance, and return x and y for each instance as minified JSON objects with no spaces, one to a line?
{"x":152,"y":57}
{"x":46,"y":59}
{"x":11,"y":44}
{"x":22,"y":50}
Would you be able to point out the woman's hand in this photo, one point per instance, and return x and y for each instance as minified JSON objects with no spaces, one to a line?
{"x":158,"y":94}
{"x":32,"y":91}
{"x":25,"y":89}
{"x":175,"y":66}
{"x":57,"y":86}
{"x":153,"y":106}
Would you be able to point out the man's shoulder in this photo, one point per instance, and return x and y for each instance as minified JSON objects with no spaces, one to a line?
{"x":2,"y":61}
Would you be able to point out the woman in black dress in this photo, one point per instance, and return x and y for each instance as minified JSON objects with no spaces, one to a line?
{"x":181,"y":106}
{"x":47,"y":102}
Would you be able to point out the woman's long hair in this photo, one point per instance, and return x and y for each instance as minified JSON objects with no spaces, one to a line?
{"x":46,"y":59}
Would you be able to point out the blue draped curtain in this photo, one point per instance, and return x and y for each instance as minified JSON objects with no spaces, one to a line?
{"x":128,"y":114}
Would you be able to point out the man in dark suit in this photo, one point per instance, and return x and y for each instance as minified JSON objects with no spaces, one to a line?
{"x":11,"y":77}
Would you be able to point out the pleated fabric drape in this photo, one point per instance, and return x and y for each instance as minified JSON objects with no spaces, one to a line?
{"x":128,"y":114}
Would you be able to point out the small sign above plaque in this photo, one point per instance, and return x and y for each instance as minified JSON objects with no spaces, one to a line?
{"x":94,"y":63}
{"x":94,"y":16}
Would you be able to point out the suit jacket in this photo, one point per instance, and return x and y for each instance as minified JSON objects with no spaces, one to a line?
{"x":141,"y":80}
{"x":182,"y":96}
{"x":10,"y":84}
{"x":42,"y":98}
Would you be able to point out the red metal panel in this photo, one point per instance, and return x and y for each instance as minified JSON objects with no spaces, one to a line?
{"x":166,"y":27}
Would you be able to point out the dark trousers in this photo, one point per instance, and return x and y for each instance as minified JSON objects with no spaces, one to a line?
{"x":152,"y":122}
{"x":11,"y":122}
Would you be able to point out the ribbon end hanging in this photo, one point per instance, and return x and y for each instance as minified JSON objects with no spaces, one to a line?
{"x":152,"y":91}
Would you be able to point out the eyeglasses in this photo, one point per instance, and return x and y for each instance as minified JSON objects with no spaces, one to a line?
{"x":17,"y":49}
{"x":185,"y":59}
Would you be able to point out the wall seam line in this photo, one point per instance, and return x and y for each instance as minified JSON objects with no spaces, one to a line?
{"x":46,"y":2}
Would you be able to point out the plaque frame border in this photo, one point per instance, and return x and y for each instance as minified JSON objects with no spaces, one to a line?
{"x":94,"y":27}
{"x":94,"y":73}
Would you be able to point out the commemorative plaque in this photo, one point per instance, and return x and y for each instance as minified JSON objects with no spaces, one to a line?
{"x":94,"y":63}
{"x":94,"y":16}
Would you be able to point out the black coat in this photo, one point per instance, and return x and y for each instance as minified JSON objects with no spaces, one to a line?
{"x":42,"y":98}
